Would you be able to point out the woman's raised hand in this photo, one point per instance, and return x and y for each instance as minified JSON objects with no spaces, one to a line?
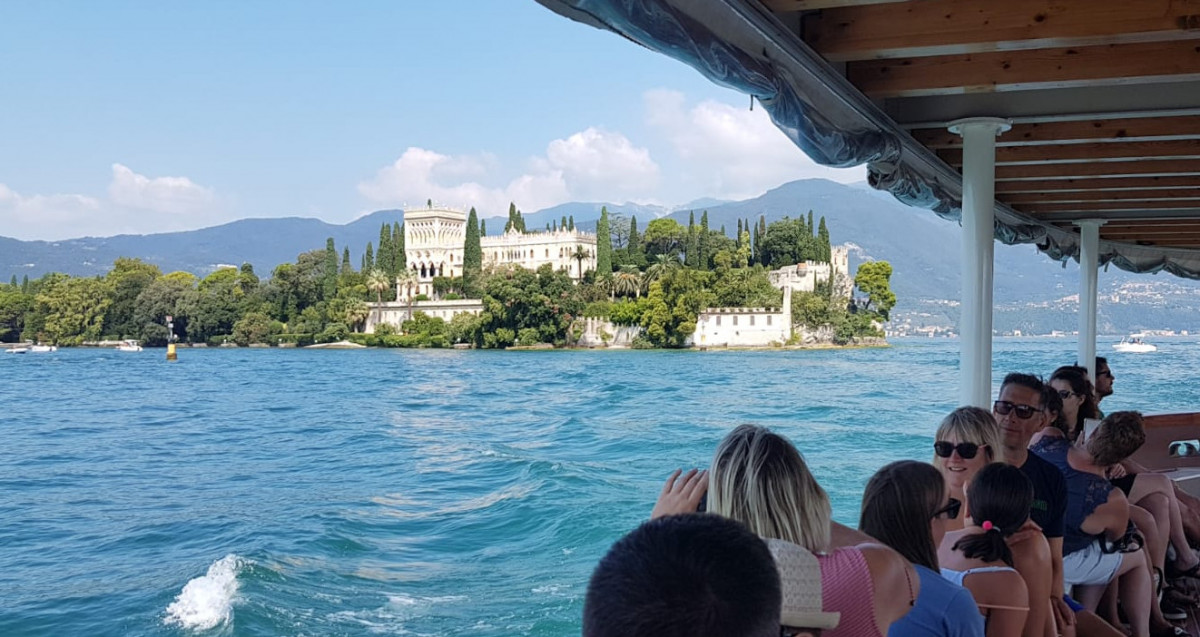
{"x":681,"y":493}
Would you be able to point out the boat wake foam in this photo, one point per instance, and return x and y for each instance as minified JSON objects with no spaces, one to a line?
{"x":207,"y":601}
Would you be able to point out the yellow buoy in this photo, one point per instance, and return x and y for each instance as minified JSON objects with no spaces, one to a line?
{"x":171,"y":352}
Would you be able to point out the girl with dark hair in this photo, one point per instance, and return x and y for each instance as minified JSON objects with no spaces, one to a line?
{"x":905,"y":506}
{"x":978,"y":556}
{"x":1078,"y":398}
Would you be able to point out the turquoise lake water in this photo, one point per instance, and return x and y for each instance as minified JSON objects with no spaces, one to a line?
{"x":300,"y":492}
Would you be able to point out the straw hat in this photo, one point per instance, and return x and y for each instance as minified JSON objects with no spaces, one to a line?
{"x":800,"y":579}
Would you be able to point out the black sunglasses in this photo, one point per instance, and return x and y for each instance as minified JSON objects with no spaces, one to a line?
{"x":966,"y":450}
{"x":1024,"y":412}
{"x":950,"y":511}
{"x":1066,"y":393}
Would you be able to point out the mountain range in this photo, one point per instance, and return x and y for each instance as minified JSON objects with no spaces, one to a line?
{"x":922,"y":248}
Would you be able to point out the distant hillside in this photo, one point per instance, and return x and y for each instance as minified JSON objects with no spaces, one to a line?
{"x":923,"y":249}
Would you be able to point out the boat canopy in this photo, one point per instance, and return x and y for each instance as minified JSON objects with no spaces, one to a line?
{"x":1103,"y":97}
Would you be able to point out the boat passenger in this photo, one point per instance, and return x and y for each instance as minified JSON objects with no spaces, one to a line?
{"x":905,"y":506}
{"x":1097,"y":545}
{"x":1020,"y":410}
{"x":1078,"y":398}
{"x":682,"y":576}
{"x":759,"y":478}
{"x":978,"y":557}
{"x":968,"y":439}
{"x":1104,"y":381}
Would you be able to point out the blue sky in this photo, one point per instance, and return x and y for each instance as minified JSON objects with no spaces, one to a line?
{"x":148,"y":116}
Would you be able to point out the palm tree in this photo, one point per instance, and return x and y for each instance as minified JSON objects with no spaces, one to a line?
{"x":377,"y":282}
{"x":357,"y":313}
{"x":407,"y":279}
{"x":579,"y":255}
{"x":663,"y":264}
{"x":628,"y":281}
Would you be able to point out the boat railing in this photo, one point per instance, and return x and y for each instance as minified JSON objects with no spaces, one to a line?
{"x":1173,"y":447}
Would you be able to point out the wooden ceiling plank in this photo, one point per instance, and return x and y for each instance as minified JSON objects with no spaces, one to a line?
{"x":952,"y":27}
{"x":1077,"y":131}
{"x":1089,"y":184}
{"x":1022,"y":70}
{"x":1160,"y":168}
{"x":1015,"y":155}
{"x":1093,"y":206}
{"x":783,"y":6}
{"x":1100,"y":195}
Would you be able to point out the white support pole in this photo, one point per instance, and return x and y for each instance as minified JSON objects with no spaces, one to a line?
{"x":979,"y":230}
{"x":1089,"y":264}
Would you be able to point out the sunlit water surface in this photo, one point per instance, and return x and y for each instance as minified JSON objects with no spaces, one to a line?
{"x":293,"y":492}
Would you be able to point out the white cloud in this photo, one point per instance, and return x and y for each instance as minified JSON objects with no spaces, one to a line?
{"x":731,"y":152}
{"x":589,"y":165}
{"x":135,"y":204}
{"x":168,"y":195}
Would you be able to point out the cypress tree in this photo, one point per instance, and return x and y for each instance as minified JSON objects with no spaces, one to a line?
{"x":571,"y":222}
{"x":692,"y":258}
{"x":13,"y":282}
{"x":823,"y":240}
{"x":472,"y":253}
{"x":428,"y":203}
{"x":482,"y":228}
{"x":553,"y":228}
{"x":399,"y":258}
{"x":723,"y":229}
{"x":520,"y":222}
{"x":703,"y":242}
{"x":739,"y":234}
{"x":331,"y":269}
{"x":346,"y":269}
{"x":383,"y":258}
{"x":634,"y":245}
{"x":811,"y":228}
{"x":512,"y":217}
{"x":564,"y":222}
{"x":603,"y":245}
{"x":25,"y":284}
{"x":548,"y":228}
{"x":369,"y":259}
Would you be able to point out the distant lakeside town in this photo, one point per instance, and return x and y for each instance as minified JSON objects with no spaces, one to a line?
{"x":438,"y":279}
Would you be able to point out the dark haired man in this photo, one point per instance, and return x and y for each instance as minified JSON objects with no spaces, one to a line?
{"x":693,"y":575}
{"x":1104,"y":379}
{"x":1021,"y":412}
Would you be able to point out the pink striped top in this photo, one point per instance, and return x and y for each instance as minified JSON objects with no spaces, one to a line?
{"x":847,"y":588}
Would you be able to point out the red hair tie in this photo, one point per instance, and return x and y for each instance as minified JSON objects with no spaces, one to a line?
{"x":988,"y":526}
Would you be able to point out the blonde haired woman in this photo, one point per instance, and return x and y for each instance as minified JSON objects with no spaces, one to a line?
{"x":758,"y":478}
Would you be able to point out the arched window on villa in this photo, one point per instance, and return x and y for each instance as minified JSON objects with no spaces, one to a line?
{"x":735,"y":320}
{"x":441,"y":269}
{"x":422,"y":270}
{"x":547,"y":253}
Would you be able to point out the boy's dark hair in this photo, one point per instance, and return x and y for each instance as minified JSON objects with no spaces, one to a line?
{"x":1119,"y":435}
{"x":898,"y":504}
{"x":685,"y":575}
{"x":1027,"y":380}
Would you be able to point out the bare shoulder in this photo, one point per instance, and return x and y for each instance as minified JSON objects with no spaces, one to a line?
{"x":998,"y":588}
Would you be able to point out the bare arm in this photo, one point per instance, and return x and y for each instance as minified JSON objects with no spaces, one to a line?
{"x":896,"y":583}
{"x":1110,"y":519}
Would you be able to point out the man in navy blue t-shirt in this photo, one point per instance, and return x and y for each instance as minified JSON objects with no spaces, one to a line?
{"x":1021,"y":413}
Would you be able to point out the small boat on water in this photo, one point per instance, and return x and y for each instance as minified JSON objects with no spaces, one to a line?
{"x":1133,"y":344}
{"x":129,"y":345}
{"x":43,"y":349}
{"x":17,"y":350}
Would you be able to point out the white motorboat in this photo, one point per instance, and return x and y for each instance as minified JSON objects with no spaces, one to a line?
{"x":1134,"y":344}
{"x":129,"y":346}
{"x":17,"y":350}
{"x":43,"y":349}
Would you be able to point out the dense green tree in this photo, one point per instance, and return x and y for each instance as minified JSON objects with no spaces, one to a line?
{"x":826,"y":250}
{"x":14,"y":307}
{"x":691,"y":242}
{"x":472,"y":255}
{"x":739,"y":232}
{"x":571,"y":222}
{"x":126,"y":279}
{"x":255,"y":327}
{"x":705,"y":242}
{"x":563,"y":223}
{"x":515,"y":221}
{"x":173,"y":295}
{"x":811,"y":228}
{"x":346,"y":267}
{"x":368,"y":259}
{"x":384,"y":257}
{"x":603,"y":245}
{"x":483,"y":227}
{"x":873,"y":279}
{"x":664,"y":236}
{"x":25,"y":284}
{"x":517,"y":299}
{"x":13,"y":282}
{"x":72,"y":310}
{"x":329,"y":275}
{"x":673,"y":303}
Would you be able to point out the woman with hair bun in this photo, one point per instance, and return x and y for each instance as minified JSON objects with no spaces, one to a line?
{"x":978,"y":557}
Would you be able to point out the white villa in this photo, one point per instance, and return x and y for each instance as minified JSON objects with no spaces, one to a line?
{"x":744,"y":326}
{"x":804,"y":277}
{"x":434,"y":239}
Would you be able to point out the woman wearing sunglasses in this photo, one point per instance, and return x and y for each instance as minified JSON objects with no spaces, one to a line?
{"x":906,"y":505}
{"x":1078,"y":399}
{"x":978,"y":557}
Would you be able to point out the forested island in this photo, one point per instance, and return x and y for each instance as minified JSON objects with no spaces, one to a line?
{"x":660,"y":279}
